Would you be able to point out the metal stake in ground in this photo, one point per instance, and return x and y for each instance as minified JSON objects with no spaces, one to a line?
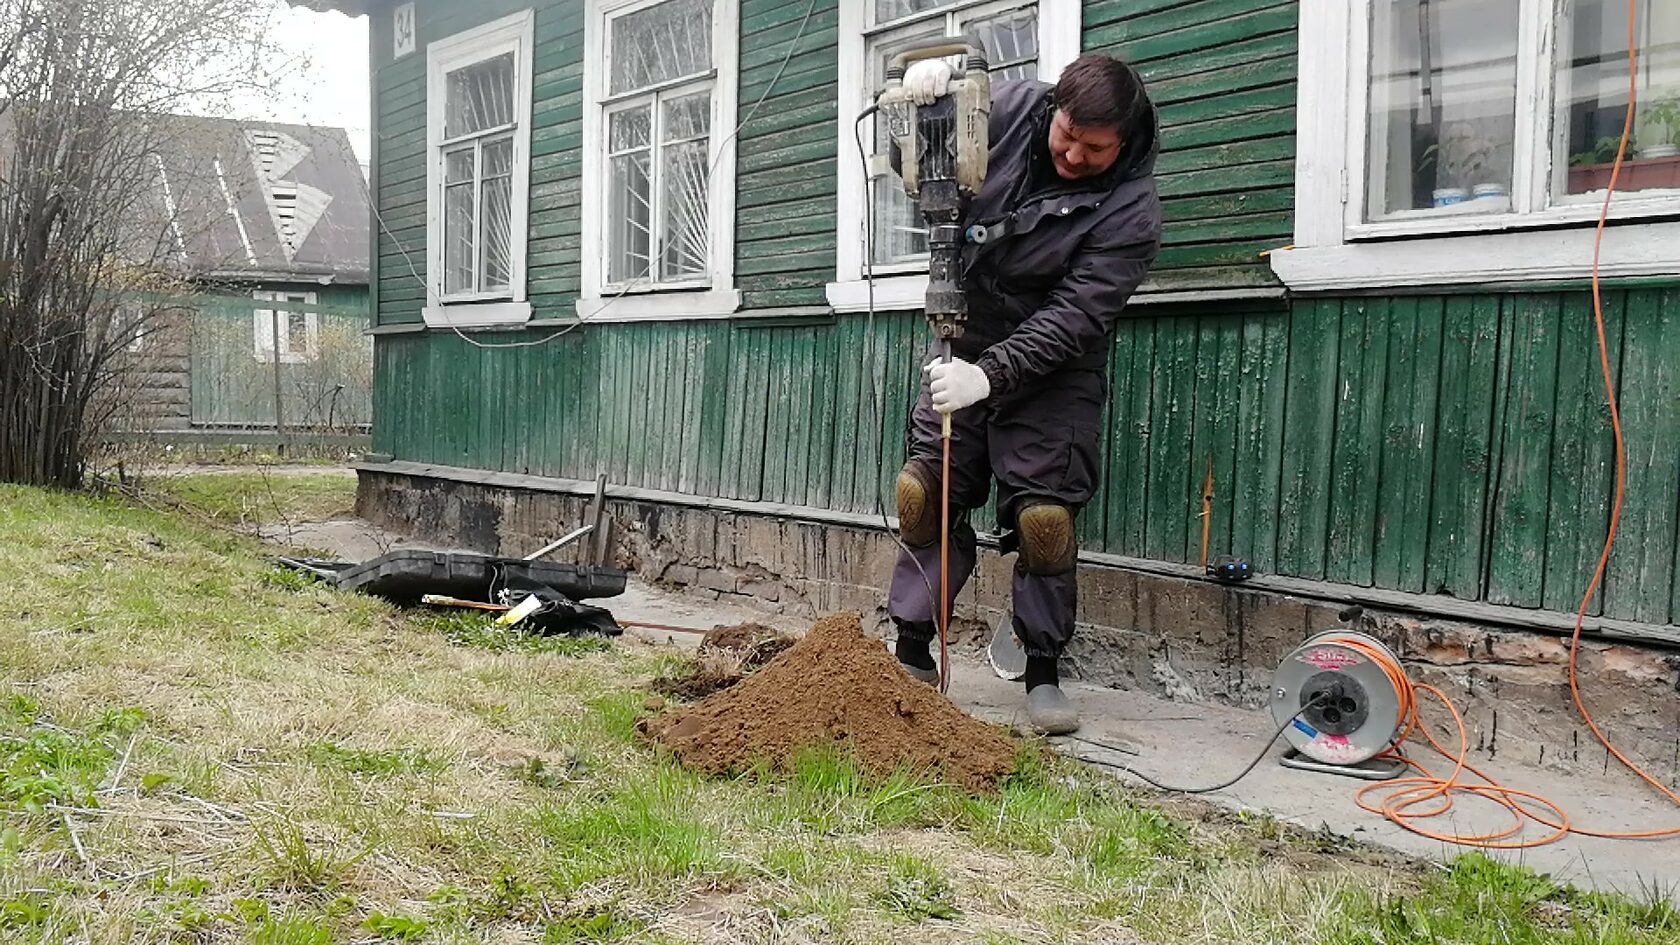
{"x":944,"y":162}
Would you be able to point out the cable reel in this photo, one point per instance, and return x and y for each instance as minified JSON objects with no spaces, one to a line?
{"x":1339,"y":705}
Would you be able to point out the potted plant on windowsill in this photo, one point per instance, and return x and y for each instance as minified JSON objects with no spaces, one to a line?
{"x":1652,"y":160}
{"x":1462,"y":157}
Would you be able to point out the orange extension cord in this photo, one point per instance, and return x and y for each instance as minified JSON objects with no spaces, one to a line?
{"x":1401,"y":798}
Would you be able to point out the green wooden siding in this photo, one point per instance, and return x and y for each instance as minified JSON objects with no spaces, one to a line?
{"x":1220,"y":70}
{"x":1451,"y":444}
{"x":1222,"y":74}
{"x":1437,"y":444}
{"x":786,"y":153}
{"x":231,"y":387}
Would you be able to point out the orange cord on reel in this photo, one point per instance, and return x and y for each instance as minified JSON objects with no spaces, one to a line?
{"x":1409,"y":801}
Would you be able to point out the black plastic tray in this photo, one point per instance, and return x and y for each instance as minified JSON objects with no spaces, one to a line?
{"x":406,"y":574}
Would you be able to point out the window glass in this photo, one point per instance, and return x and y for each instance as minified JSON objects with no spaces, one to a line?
{"x":497,"y":201}
{"x":1592,"y":93}
{"x":1443,"y":107}
{"x":458,"y":219}
{"x":1011,"y":43}
{"x":888,"y":10}
{"x":630,"y":194}
{"x":682,"y":173}
{"x":479,"y":96}
{"x":667,"y":41}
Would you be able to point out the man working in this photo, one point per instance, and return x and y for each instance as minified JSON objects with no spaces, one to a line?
{"x":1071,"y":225}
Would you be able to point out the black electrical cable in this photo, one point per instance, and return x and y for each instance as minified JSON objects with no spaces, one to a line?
{"x":1175,"y":789}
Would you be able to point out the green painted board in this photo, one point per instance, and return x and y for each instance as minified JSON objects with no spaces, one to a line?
{"x":1234,"y":28}
{"x":1407,"y":442}
{"x":1171,"y":510}
{"x":1308,"y":438}
{"x":1356,"y":455}
{"x":1464,"y":433}
{"x":1256,"y":492}
{"x":1516,"y":566}
{"x":1137,"y":438}
{"x":1640,"y":585}
{"x":1583,"y":453}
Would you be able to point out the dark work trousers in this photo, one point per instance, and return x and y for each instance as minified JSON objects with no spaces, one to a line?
{"x":1040,"y":444}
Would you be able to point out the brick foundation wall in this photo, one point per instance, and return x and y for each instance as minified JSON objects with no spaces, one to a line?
{"x":1187,"y":640}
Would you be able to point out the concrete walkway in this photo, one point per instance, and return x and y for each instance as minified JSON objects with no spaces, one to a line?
{"x":1196,"y":745}
{"x":1199,"y":744}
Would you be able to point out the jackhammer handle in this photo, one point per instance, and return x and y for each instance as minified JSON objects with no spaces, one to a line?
{"x":895,"y":66}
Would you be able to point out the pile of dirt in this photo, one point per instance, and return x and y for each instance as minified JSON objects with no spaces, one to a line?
{"x":726,"y":655}
{"x":835,"y":686}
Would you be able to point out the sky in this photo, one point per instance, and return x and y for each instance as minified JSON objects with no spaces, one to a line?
{"x":324,"y":77}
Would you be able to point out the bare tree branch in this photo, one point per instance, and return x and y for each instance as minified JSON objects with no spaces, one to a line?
{"x":87,"y":90}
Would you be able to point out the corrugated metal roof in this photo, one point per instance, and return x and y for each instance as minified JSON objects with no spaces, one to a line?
{"x":263,"y":198}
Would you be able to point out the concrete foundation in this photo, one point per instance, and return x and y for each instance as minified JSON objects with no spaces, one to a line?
{"x":1187,"y":640}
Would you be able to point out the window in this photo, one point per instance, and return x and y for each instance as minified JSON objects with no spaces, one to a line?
{"x":478,"y":132}
{"x":128,"y":326}
{"x":659,"y":193}
{"x":1445,"y":118}
{"x":1023,"y":39}
{"x":294,"y":333}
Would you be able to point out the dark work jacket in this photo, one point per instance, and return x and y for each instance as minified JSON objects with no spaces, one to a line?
{"x":1048,"y":285}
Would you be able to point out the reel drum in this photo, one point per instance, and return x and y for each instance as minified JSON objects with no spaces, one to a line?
{"x":1357,"y":716}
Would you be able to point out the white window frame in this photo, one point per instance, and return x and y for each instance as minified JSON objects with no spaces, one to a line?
{"x":130,"y":317}
{"x":263,"y":328}
{"x":1059,"y":24}
{"x":1544,"y":238}
{"x":716,"y":295}
{"x":513,"y":33}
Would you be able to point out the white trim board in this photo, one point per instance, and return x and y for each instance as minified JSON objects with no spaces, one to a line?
{"x":515,"y":32}
{"x":1651,"y":249}
{"x":909,"y":293}
{"x":720,"y":220}
{"x":477,"y":315}
{"x":671,"y":305}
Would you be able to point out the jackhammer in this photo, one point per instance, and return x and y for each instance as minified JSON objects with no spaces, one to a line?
{"x":942,"y":148}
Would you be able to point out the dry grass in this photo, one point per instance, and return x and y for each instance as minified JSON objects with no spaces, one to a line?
{"x":195,"y":747}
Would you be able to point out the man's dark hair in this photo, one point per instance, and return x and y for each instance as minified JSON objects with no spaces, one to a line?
{"x":1098,"y":91}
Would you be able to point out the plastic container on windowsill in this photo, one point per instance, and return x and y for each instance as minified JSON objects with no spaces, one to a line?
{"x":1483,"y":198}
{"x":1450,"y":196}
{"x":1659,"y":151}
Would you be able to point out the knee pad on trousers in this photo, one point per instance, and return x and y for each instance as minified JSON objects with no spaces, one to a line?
{"x":1047,"y":541}
{"x":918,"y":517}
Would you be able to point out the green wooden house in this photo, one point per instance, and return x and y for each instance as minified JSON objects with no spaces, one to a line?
{"x":627,"y":237}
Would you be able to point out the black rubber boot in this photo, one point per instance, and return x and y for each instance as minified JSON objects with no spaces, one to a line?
{"x":913,"y":650}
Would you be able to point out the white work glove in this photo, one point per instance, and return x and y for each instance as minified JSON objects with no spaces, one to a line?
{"x":927,"y":79}
{"x":956,"y":384}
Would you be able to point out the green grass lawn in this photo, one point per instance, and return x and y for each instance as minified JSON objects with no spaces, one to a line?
{"x":257,"y":496}
{"x":196,"y":747}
